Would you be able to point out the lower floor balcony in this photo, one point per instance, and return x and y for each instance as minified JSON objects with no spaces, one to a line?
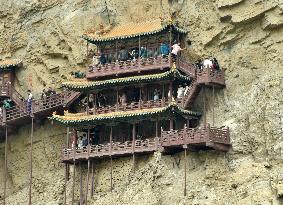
{"x":169,"y":141}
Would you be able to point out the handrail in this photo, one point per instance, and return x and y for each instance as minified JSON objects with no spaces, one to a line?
{"x":187,"y":136}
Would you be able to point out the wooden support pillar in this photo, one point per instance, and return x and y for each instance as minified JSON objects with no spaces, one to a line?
{"x":87,"y":106}
{"x":140,"y":98}
{"x":95,"y":103}
{"x":74,"y":171}
{"x":111,"y":162}
{"x":204,"y":106}
{"x":88,"y":164}
{"x":92,"y":179}
{"x":117,"y":99}
{"x":133,"y":145}
{"x":156,"y":129}
{"x":170,"y":91}
{"x":171,"y":121}
{"x":5,"y":168}
{"x":116,"y":49}
{"x":213,"y":104}
{"x":163,"y":94}
{"x":30,"y":162}
{"x":170,"y":45}
{"x":81,"y":185}
{"x":139,"y":58}
{"x":185,"y":174}
{"x":67,"y":167}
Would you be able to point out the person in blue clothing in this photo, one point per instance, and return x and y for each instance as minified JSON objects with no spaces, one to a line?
{"x":164,"y":49}
{"x":143,"y":52}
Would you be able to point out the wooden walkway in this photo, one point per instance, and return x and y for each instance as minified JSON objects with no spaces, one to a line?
{"x":197,"y":138}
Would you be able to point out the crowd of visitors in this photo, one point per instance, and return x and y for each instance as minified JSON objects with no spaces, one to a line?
{"x":208,"y":63}
{"x":133,"y":54}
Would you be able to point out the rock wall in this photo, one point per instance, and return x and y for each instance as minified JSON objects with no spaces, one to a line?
{"x":247,"y":38}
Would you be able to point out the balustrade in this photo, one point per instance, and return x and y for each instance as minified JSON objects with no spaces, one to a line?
{"x":130,"y":66}
{"x":173,"y":138}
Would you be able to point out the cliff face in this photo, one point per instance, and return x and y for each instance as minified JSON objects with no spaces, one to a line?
{"x":247,"y":38}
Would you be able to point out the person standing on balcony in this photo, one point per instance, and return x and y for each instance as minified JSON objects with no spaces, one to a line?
{"x":156,"y":95}
{"x":102,"y":59}
{"x":95,"y":62}
{"x":29,"y":102}
{"x":207,"y":63}
{"x":175,"y":51}
{"x":143,"y":52}
{"x":164,"y":49}
{"x":123,"y":54}
{"x":180,"y":92}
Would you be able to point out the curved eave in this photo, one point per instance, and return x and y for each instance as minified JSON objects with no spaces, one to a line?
{"x":98,"y":85}
{"x":101,"y":39}
{"x":9,"y":64}
{"x":74,"y":119}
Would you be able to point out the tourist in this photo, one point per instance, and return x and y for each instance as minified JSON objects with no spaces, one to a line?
{"x":164,"y":49}
{"x":85,"y":141}
{"x":215,"y":64}
{"x":7,"y":103}
{"x":175,"y":51}
{"x":50,"y":92}
{"x":95,"y":61}
{"x":43,"y":94}
{"x":199,"y":64}
{"x":133,"y":54}
{"x":155,"y":95}
{"x":180,"y":92}
{"x":143,"y":52}
{"x":29,"y":101}
{"x":123,"y":54}
{"x":80,"y":143}
{"x":187,"y":89}
{"x":102,"y":59}
{"x":207,"y":63}
{"x":123,"y":99}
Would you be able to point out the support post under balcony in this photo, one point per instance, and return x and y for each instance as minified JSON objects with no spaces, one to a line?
{"x":133,"y":145}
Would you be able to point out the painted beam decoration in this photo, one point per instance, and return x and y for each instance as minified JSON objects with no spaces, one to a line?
{"x":84,"y":85}
{"x":9,"y":64}
{"x":131,"y":31}
{"x":144,"y":114}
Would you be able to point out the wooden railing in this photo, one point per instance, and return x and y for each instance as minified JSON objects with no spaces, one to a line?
{"x":118,"y":148}
{"x":195,"y":136}
{"x":22,"y":109}
{"x":206,"y":136}
{"x":131,"y":66}
{"x":130,"y":106}
{"x":207,"y":76}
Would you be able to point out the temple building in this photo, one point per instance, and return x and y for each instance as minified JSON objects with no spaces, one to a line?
{"x":137,"y":98}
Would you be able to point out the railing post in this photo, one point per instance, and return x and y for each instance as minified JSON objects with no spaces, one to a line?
{"x":4,"y":116}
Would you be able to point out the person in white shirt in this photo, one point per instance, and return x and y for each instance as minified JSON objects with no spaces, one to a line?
{"x":207,"y":63}
{"x":175,"y":50}
{"x":180,"y":92}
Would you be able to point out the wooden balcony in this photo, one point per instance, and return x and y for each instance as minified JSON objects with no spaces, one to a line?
{"x":21,"y":111}
{"x":198,"y":138}
{"x":211,"y":137}
{"x":131,"y":106}
{"x":106,"y":150}
{"x":211,"y":78}
{"x":141,"y":65}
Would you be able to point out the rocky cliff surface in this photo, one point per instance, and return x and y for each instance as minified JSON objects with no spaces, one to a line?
{"x":247,"y":38}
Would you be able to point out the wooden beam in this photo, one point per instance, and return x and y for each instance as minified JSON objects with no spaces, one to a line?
{"x":81,"y":184}
{"x":133,"y":145}
{"x":5,"y":168}
{"x":185,"y":174}
{"x":111,"y":162}
{"x":74,"y":171}
{"x":30,"y":162}
{"x":88,"y":164}
{"x":92,"y":179}
{"x":204,"y":106}
{"x":213,"y":101}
